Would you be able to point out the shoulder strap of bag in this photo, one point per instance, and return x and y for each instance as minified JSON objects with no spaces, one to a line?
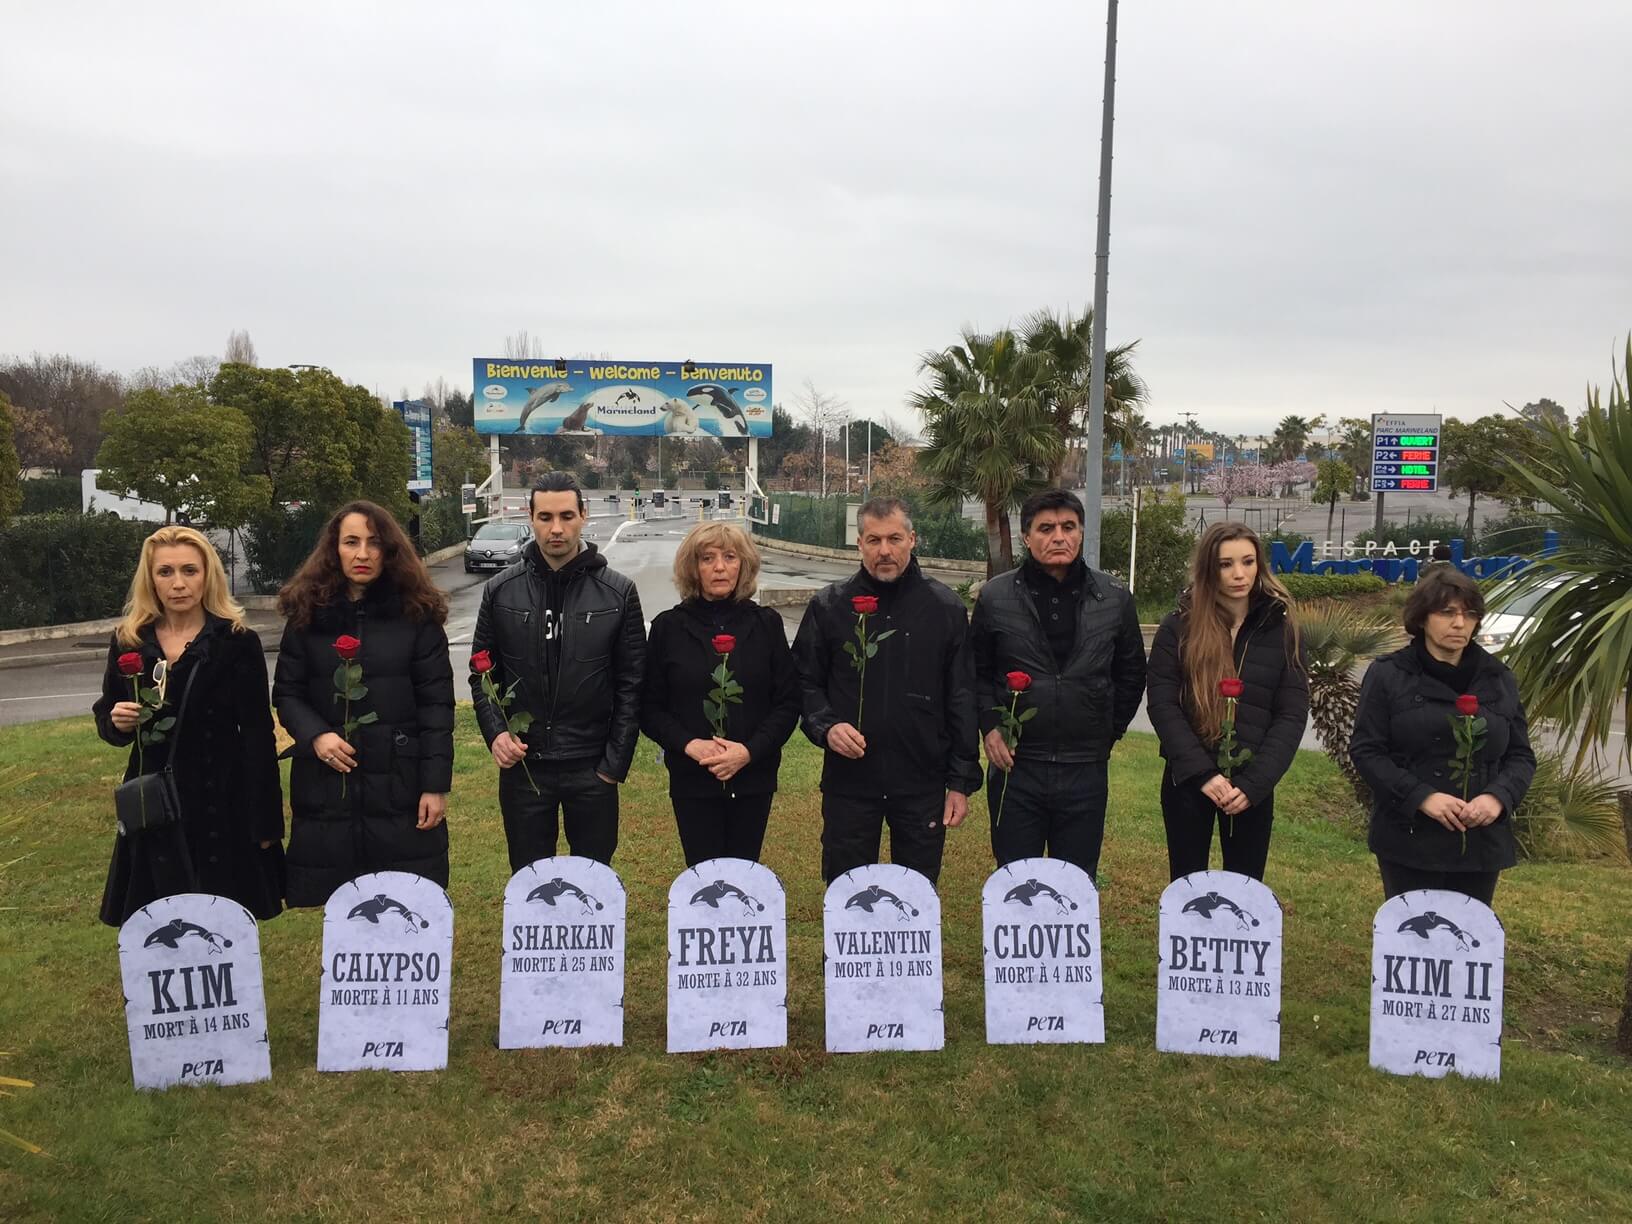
{"x":181,"y":706}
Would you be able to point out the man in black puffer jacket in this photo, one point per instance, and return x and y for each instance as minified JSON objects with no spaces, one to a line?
{"x":1075,"y":635}
{"x":567,"y":631}
{"x":901,"y":740}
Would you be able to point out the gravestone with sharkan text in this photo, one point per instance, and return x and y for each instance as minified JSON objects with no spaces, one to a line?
{"x":562,"y":970}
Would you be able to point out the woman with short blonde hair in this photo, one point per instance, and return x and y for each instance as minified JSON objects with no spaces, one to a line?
{"x":716,"y":535}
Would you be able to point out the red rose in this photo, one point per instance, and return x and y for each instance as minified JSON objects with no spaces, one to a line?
{"x":130,"y":664}
{"x":864,"y":603}
{"x":1467,"y":705}
{"x":724,"y":643}
{"x":1230,"y":686}
{"x":481,"y":661}
{"x":347,"y":646}
{"x":1019,"y":681}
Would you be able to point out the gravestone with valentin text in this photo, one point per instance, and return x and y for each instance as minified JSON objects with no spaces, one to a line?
{"x":1437,"y":968}
{"x":1043,"y":973}
{"x":881,"y":961}
{"x":387,"y":967}
{"x":562,"y":972}
{"x":1218,"y":971}
{"x":194,"y":1001}
{"x":728,"y":958}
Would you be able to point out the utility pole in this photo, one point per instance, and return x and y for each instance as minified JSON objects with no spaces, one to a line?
{"x":1184,"y":450}
{"x":1094,"y":483}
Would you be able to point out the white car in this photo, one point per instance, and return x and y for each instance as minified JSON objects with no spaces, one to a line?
{"x":1499,"y":628}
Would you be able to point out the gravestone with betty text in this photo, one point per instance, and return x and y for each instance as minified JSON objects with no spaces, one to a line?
{"x":387,"y":966}
{"x":1436,"y":986}
{"x":561,"y":976}
{"x":728,"y":958}
{"x":1218,"y":971}
{"x":881,"y":961}
{"x":194,"y":1002}
{"x":1043,"y":977}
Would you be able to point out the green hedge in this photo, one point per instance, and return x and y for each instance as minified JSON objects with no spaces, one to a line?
{"x":1332,"y":586}
{"x":60,"y":568}
{"x":51,"y":495}
{"x":441,"y":523}
{"x":808,"y":519}
{"x":277,"y":541}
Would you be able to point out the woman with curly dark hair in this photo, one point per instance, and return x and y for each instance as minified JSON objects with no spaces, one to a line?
{"x":364,"y":686}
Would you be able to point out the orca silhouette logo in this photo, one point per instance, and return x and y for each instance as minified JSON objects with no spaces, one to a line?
{"x":1216,"y":901}
{"x":874,"y":895}
{"x":379,"y":905}
{"x":712,"y":894}
{"x":1025,"y":894}
{"x":551,"y":891}
{"x":177,"y":929}
{"x":1421,"y":924}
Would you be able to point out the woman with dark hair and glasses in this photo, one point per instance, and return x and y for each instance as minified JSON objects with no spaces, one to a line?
{"x":1440,"y":737}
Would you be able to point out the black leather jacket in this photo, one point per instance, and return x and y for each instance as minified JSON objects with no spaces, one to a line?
{"x":590,"y":707}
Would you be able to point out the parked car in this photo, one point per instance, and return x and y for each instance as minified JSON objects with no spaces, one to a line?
{"x":495,"y":545}
{"x":1499,"y":628}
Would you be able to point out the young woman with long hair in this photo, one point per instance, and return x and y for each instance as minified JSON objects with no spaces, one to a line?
{"x":183,"y":634}
{"x":1235,"y":623}
{"x":373,"y":798}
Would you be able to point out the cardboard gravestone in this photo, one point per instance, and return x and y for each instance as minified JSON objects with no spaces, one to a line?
{"x":387,"y":966}
{"x":1218,"y":971}
{"x":1436,"y":986}
{"x":194,"y":1002}
{"x":561,"y":977}
{"x":728,"y":958}
{"x":881,"y":962}
{"x":1043,"y":978}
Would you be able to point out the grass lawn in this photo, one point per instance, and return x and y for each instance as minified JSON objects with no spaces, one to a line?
{"x":1016,"y":1133}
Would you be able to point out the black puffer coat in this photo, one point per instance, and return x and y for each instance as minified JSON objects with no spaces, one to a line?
{"x":226,"y":772}
{"x":407,"y":753}
{"x":1270,"y":714}
{"x":1403,"y":746}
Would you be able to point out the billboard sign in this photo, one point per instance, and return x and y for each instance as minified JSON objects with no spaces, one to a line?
{"x":1405,"y":453}
{"x":622,"y":398}
{"x":416,"y":414}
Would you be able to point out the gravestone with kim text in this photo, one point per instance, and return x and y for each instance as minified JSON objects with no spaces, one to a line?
{"x":194,"y":1001}
{"x":1218,"y":971}
{"x":387,"y":966}
{"x":1437,"y":962}
{"x":881,"y":962}
{"x":728,"y":958}
{"x":562,"y":970}
{"x":1043,"y":975}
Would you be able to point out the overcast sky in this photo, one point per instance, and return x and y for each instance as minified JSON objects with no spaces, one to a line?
{"x":1319,"y":208}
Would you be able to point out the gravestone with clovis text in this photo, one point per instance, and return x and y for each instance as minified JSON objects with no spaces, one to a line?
{"x":728,"y":958}
{"x":1218,"y":970}
{"x":562,"y":970}
{"x":194,"y":1002}
{"x":881,"y":961}
{"x":1043,"y":974}
{"x":1437,"y":961}
{"x":387,"y":966}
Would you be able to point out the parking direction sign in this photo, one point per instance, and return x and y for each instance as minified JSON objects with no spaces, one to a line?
{"x":1405,"y":453}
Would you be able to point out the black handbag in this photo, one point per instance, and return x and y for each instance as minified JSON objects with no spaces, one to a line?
{"x":151,"y":801}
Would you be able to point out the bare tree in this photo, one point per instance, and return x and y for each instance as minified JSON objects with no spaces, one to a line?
{"x":74,"y":396}
{"x":240,"y":349}
{"x":825,"y":413}
{"x":523,"y":346}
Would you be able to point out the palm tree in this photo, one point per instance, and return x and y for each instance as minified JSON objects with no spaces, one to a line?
{"x":1066,"y":345}
{"x":1338,"y":638}
{"x":988,"y":433}
{"x":1292,"y":436}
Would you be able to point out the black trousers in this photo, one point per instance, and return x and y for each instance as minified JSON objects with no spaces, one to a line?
{"x":723,"y":827}
{"x":1049,"y":808}
{"x":531,"y":820}
{"x":1399,"y":878}
{"x":852,"y":829}
{"x":1189,"y":816}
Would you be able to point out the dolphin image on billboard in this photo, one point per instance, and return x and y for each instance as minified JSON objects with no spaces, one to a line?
{"x":622,"y":398}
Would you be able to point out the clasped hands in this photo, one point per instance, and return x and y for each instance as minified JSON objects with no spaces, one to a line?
{"x":721,"y":757}
{"x":1226,"y":796}
{"x":1459,"y":815}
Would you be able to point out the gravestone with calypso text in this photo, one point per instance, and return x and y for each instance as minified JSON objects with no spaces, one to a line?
{"x":1437,"y":962}
{"x":1043,"y":975}
{"x":881,"y":962}
{"x":728,"y":958}
{"x":387,"y":966}
{"x":194,"y":1001}
{"x":1218,"y":971}
{"x":561,"y":976}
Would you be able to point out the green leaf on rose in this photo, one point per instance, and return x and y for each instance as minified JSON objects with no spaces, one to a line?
{"x":1028,"y":715}
{"x":356,"y":693}
{"x":370,"y":717}
{"x":879,"y":637}
{"x":850,"y":649}
{"x":342,"y":677}
{"x":164,"y":724}
{"x":520,"y":721}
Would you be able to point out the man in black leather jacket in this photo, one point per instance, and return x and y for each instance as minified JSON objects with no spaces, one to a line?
{"x":567,"y":631}
{"x":1075,"y":634}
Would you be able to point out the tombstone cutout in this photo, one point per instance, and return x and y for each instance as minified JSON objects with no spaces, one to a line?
{"x":194,"y":1001}
{"x":1218,"y":970}
{"x":728,"y":958}
{"x":881,"y":962}
{"x":1437,"y":963}
{"x":561,"y":973}
{"x":387,"y":958}
{"x":1043,"y":973}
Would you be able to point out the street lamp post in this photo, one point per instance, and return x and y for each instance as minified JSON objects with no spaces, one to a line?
{"x":1094,"y":484}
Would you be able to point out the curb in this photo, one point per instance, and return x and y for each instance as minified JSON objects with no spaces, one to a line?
{"x":817,"y":552}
